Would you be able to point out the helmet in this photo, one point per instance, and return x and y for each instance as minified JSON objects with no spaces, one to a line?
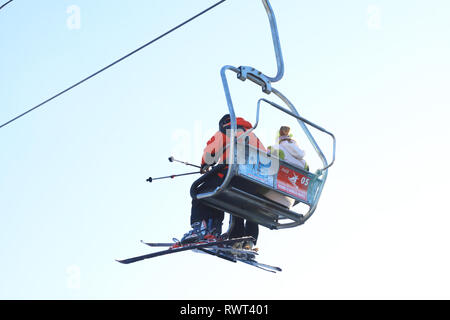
{"x":225,"y":120}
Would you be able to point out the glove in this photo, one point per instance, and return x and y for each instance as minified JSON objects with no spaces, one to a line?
{"x":204,"y":168}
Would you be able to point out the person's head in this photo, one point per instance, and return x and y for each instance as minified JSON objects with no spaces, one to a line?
{"x":284,"y":131}
{"x":226,"y":119}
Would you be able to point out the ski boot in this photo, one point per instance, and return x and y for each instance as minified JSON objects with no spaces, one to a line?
{"x":203,"y":231}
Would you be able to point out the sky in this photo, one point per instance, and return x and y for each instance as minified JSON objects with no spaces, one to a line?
{"x":73,"y":190}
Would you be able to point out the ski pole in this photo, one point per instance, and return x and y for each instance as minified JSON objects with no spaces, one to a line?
{"x":172,"y":159}
{"x":172,"y":176}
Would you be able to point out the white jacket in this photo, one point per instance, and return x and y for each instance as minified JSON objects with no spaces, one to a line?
{"x":292,"y":153}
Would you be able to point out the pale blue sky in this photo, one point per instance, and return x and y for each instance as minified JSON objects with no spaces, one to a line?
{"x":73,"y":195}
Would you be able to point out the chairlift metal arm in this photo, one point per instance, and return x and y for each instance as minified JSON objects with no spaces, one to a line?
{"x":293,"y":112}
{"x":233,"y":130}
{"x":304,"y":120}
{"x":324,"y":171}
{"x":257,"y":76}
{"x":276,"y":41}
{"x":306,"y":130}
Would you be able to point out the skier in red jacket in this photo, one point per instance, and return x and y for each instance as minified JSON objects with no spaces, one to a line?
{"x":206,"y":221}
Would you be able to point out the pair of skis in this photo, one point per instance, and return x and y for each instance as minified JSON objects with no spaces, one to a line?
{"x":219,"y":248}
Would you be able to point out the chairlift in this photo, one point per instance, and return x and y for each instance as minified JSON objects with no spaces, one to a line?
{"x":252,"y":174}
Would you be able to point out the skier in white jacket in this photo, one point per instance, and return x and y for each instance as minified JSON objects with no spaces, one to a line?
{"x":292,"y":152}
{"x":288,"y":150}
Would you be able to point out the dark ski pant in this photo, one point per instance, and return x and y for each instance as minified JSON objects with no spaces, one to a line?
{"x":241,"y":229}
{"x":201,"y":211}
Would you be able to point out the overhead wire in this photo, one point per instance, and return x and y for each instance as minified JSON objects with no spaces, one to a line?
{"x":5,"y":4}
{"x":112,"y":64}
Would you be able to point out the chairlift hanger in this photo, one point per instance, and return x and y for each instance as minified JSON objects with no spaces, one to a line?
{"x":248,"y":202}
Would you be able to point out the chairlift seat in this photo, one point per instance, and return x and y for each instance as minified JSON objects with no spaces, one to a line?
{"x":251,"y":179}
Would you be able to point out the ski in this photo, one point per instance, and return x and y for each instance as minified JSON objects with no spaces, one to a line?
{"x":184,"y":248}
{"x":243,"y":252}
{"x":260,"y":265}
{"x":218,"y":249}
{"x":157,"y":244}
{"x":217,"y":254}
{"x":233,"y":251}
{"x":228,"y":255}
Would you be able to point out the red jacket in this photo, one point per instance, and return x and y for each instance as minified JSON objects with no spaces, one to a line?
{"x":217,"y":144}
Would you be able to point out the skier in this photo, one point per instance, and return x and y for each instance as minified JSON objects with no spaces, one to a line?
{"x":292,"y":152}
{"x":288,"y":150}
{"x":206,"y":222}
